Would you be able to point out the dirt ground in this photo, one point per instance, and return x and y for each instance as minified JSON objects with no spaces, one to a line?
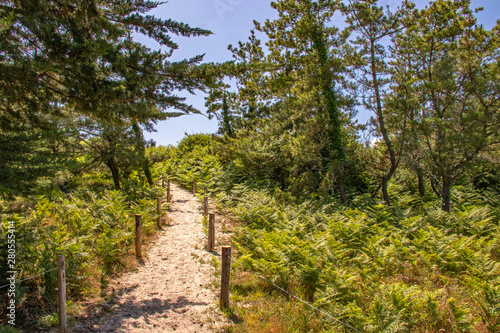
{"x":173,"y":290}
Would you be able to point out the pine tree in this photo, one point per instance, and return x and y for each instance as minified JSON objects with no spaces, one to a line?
{"x":79,"y":58}
{"x":371,"y":27}
{"x":25,"y":156}
{"x":293,"y":95}
{"x":454,"y":66}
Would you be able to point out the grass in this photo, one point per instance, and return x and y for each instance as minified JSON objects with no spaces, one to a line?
{"x":256,"y":307}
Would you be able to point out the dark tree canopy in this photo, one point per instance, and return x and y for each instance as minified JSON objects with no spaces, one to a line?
{"x":65,"y":59}
{"x":81,"y":54}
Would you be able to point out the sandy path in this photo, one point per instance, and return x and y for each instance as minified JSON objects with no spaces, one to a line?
{"x":171,"y":290}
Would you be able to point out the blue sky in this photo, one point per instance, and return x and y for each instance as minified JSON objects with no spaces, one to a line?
{"x":231,"y":21}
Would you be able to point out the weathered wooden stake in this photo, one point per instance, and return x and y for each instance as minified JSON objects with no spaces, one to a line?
{"x":158,"y":210}
{"x":205,"y":205}
{"x":61,"y":290}
{"x":194,"y":186}
{"x":211,"y":232}
{"x":138,"y":235}
{"x":224,"y":277}
{"x":168,"y":191}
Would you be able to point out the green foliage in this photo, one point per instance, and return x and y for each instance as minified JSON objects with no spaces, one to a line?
{"x":24,"y":159}
{"x":76,"y":65}
{"x":8,"y":329}
{"x":444,"y":67}
{"x":292,"y":122}
{"x":488,"y":298}
{"x":105,"y":64}
{"x":94,"y":231}
{"x":404,"y":268}
{"x":380,"y":260}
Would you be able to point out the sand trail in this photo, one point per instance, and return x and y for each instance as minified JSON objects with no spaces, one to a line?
{"x":170,"y":291}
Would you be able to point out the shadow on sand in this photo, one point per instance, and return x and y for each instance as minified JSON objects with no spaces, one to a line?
{"x":132,"y":308}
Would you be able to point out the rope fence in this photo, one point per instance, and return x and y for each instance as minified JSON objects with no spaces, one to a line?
{"x":31,"y":277}
{"x":225,"y":266}
{"x":121,"y":231}
{"x":62,"y":264}
{"x":292,"y":295}
{"x":226,"y":259}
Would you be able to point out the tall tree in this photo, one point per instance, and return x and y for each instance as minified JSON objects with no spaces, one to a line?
{"x":25,"y":156}
{"x":372,"y":27}
{"x":335,"y":150}
{"x":292,"y":92}
{"x":80,"y":56}
{"x":108,"y":144}
{"x":455,"y":67}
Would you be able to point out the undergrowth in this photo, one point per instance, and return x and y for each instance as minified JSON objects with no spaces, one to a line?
{"x":93,"y":230}
{"x":409,"y":267}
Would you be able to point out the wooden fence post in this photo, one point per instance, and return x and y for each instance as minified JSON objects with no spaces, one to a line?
{"x":138,"y":235}
{"x":61,"y":290}
{"x":194,"y":186}
{"x":224,"y":277}
{"x":168,"y":191}
{"x":158,"y":210}
{"x":211,"y":232}
{"x":205,"y":205}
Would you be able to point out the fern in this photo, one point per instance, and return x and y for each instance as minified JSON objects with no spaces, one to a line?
{"x":488,"y":298}
{"x":463,"y":321}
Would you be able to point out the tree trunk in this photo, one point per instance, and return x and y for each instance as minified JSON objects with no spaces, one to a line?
{"x":147,"y":173}
{"x":446,"y":194}
{"x":114,"y":172}
{"x":385,"y":193}
{"x":63,"y":187}
{"x":226,"y":120}
{"x":334,"y":124}
{"x":374,"y":194}
{"x":343,"y":196}
{"x":381,"y":123}
{"x":141,"y":151}
{"x":421,"y":188}
{"x":434,"y":188}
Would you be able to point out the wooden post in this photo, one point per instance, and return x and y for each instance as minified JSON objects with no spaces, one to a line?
{"x":224,"y":277}
{"x":211,"y":232}
{"x":165,"y":215}
{"x":205,"y":206}
{"x":158,"y":210}
{"x":138,"y":235}
{"x":61,"y":290}
{"x":168,"y":191}
{"x":194,"y":186}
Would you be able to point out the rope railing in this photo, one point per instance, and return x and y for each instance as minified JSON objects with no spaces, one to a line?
{"x":296,"y":297}
{"x":61,"y":264}
{"x":226,"y":264}
{"x":121,"y":231}
{"x":211,"y":242}
{"x":31,"y":277}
